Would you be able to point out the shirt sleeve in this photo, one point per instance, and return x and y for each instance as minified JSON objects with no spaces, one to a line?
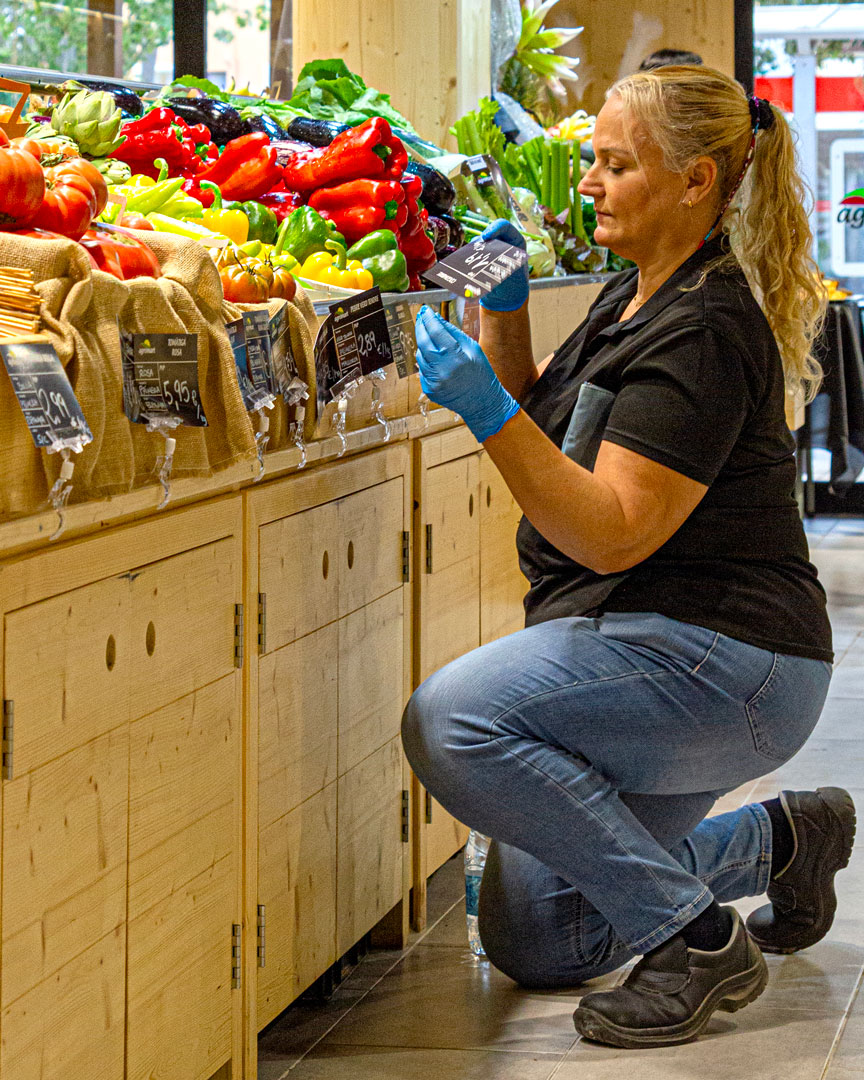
{"x":683,"y":402}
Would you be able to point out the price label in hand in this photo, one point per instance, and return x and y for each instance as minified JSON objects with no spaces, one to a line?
{"x":360,"y":334}
{"x":160,"y":378}
{"x":475,"y":269}
{"x":44,"y":393}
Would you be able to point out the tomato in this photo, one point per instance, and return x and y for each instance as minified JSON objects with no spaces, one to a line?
{"x":120,"y":253}
{"x":69,"y":204}
{"x":244,"y":284}
{"x":131,"y":220}
{"x":284,"y":286}
{"x":47,"y":152}
{"x":93,"y":177}
{"x":22,"y":188}
{"x":4,"y":138}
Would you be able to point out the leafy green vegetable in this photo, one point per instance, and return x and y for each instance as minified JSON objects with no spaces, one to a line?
{"x":329,"y":90}
{"x":477,"y":133}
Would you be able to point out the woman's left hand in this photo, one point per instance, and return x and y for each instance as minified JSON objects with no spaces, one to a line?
{"x":455,"y":373}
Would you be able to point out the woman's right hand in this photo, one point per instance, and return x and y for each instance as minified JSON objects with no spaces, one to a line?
{"x":511,"y":294}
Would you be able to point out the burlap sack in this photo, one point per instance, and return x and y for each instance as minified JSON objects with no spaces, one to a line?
{"x":191,"y":283}
{"x":79,"y":318}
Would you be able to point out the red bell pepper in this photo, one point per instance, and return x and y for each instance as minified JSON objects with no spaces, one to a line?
{"x":160,"y":134}
{"x":416,"y":245}
{"x":282,"y":202}
{"x":245,"y":169}
{"x":120,"y":253}
{"x":360,"y":206}
{"x":368,"y":150}
{"x":192,"y":187}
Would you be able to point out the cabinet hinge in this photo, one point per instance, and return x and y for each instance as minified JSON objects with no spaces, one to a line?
{"x":262,"y":622}
{"x":428,"y":549}
{"x":428,"y":808}
{"x":8,"y":737}
{"x":406,"y":556}
{"x":262,"y":931}
{"x":236,"y":956}
{"x":238,"y":635}
{"x":406,"y":816}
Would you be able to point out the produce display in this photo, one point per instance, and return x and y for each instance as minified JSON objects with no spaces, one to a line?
{"x":333,"y":187}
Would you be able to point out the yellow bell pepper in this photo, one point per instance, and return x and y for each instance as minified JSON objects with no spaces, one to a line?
{"x":231,"y":223}
{"x":332,"y":268}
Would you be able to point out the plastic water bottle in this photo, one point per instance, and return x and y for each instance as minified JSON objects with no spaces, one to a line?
{"x":475,"y":859}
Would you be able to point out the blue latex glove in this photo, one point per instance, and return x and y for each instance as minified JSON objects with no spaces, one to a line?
{"x":511,"y":294}
{"x":455,"y":373}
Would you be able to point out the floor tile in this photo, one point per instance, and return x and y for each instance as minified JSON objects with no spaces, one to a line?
{"x":821,"y":762}
{"x":446,"y":998}
{"x":763,"y":1043}
{"x":451,"y":930}
{"x":396,"y":1063}
{"x":842,"y":718}
{"x":819,"y":980}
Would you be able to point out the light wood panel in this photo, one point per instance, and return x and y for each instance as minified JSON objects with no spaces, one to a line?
{"x":297,"y":717}
{"x":299,"y":573}
{"x":70,"y":1025}
{"x":433,"y":59}
{"x":297,"y":885}
{"x":612,"y":47}
{"x":369,"y":844}
{"x":371,"y":678}
{"x":451,"y":505}
{"x":502,"y":584}
{"x":182,"y":793}
{"x":370,"y":525}
{"x":179,"y":980}
{"x":64,"y":862}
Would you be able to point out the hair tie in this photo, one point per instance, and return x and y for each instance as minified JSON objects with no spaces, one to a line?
{"x":761,"y":113}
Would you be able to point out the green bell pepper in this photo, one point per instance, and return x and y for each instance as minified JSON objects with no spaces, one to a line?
{"x":305,"y":231}
{"x":263,"y":224}
{"x":374,"y":243}
{"x":389,"y":270}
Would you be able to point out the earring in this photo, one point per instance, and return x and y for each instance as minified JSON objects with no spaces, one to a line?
{"x":689,"y":204}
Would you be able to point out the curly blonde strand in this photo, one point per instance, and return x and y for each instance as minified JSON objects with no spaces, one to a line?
{"x":692,"y":112}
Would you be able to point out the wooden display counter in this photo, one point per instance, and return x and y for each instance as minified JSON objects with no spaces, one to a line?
{"x":204,"y":798}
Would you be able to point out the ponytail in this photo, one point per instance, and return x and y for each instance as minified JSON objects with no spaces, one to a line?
{"x":692,"y":112}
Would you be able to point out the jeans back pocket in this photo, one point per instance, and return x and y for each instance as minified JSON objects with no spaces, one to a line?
{"x":786,"y":707}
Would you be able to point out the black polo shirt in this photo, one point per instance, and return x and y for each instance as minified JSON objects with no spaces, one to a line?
{"x":694,"y":381}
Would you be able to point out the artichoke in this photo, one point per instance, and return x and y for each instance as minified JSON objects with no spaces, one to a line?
{"x":114,"y":171}
{"x":92,"y":119}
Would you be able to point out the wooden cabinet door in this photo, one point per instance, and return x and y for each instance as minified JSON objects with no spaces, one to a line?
{"x":502,"y":584}
{"x":448,"y":580}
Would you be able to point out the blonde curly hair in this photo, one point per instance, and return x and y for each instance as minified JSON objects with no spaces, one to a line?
{"x":691,"y":112}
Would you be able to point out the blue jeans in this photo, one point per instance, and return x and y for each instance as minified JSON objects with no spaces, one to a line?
{"x":591,"y":750}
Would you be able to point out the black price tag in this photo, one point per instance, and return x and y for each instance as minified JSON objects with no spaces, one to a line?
{"x":281,"y":354}
{"x":475,"y":269}
{"x":160,"y":377}
{"x":237,"y":337}
{"x":258,"y":353}
{"x":400,"y":324}
{"x":326,"y":364}
{"x":360,"y":334}
{"x":44,"y":393}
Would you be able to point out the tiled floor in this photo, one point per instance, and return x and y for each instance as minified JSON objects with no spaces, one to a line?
{"x":436,"y":1013}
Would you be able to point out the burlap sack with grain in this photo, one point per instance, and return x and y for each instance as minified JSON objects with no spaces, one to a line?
{"x":191,"y":284}
{"x":79,"y":314}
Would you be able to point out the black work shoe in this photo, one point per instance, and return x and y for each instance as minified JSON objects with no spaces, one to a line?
{"x":671,"y":993}
{"x":802,"y":895}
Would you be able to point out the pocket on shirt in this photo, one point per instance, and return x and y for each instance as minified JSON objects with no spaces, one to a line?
{"x":784,"y":710}
{"x":587,"y":424}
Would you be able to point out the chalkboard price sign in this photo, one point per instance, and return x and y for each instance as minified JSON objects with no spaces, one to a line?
{"x":46,"y":397}
{"x":160,"y":378}
{"x":476,"y":268}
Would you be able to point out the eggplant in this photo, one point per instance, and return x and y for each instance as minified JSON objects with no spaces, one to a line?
{"x":263,"y":122}
{"x":223,"y":120}
{"x":316,"y":132}
{"x":439,"y":231}
{"x":457,"y":233}
{"x":438,"y":193}
{"x":125,"y":99}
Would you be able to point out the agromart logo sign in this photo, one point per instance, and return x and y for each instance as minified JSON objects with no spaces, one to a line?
{"x":851,"y":211}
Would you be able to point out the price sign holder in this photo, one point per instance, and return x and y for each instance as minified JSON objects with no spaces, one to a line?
{"x":51,"y":410}
{"x":400,"y":324}
{"x":160,"y":389}
{"x":360,"y":334}
{"x":475,"y":269}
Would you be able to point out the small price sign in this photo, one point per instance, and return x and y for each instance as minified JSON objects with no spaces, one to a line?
{"x":475,"y":269}
{"x":160,"y":377}
{"x":46,"y":397}
{"x":400,"y":324}
{"x":360,"y":334}
{"x":285,"y":372}
{"x":326,"y":364}
{"x":256,"y":325}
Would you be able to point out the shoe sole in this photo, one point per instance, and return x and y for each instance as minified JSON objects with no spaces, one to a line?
{"x":729,"y":996}
{"x":840,"y":803}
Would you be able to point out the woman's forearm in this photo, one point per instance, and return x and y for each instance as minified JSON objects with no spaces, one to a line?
{"x":505,"y":337}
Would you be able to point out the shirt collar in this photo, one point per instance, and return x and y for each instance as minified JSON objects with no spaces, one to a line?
{"x":685,"y":277}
